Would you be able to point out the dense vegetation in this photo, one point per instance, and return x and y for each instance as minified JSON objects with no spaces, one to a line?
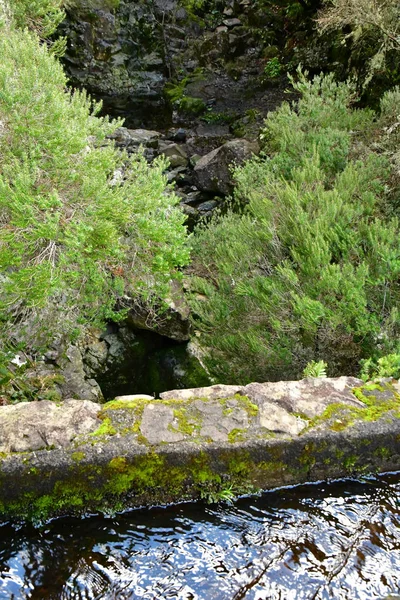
{"x":82,"y":225}
{"x":310,"y":270}
{"x":304,"y":267}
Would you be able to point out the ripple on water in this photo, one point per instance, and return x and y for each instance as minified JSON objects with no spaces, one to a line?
{"x":339,"y":541}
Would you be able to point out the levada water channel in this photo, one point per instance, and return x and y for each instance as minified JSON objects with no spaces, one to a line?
{"x":339,"y":540}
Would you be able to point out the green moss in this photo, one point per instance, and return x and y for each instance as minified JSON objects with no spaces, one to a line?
{"x":187,"y":423}
{"x":248,"y":405}
{"x":175,"y":91}
{"x":243,"y":402}
{"x":194,"y":106}
{"x":383,"y":453}
{"x":219,"y":117}
{"x":272,"y":468}
{"x":236,"y":435}
{"x":106,"y":428}
{"x":350,"y":462}
{"x":307,"y":457}
{"x":340,"y":416}
{"x":78,"y":456}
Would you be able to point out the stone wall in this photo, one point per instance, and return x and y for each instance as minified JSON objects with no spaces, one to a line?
{"x":209,"y":443}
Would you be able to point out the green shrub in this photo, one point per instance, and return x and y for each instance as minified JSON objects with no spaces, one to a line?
{"x":273,"y":68}
{"x":315,"y":369}
{"x":81,"y":224}
{"x":43,"y":16}
{"x":311,"y":270}
{"x":385,"y":366}
{"x":373,"y":27}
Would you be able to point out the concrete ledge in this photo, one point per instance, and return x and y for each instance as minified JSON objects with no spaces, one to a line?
{"x":209,"y":443}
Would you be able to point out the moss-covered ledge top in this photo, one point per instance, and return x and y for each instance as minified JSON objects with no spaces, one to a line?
{"x":207,"y":442}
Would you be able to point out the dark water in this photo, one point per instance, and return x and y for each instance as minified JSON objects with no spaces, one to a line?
{"x":339,"y":541}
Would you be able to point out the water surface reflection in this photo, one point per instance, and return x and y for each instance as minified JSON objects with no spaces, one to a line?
{"x":339,"y":541}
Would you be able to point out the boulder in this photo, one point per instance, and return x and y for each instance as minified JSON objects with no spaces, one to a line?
{"x":131,"y":139}
{"x":213,"y":171}
{"x":175,"y":153}
{"x":174,"y":322}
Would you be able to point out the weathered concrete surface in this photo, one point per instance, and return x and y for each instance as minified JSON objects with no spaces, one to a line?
{"x":193,"y":443}
{"x":33,"y":426}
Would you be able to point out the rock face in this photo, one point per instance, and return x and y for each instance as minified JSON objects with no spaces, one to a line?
{"x":214,"y":170}
{"x":75,"y":383}
{"x":115,"y":53}
{"x":174,"y":324}
{"x":190,"y":443}
{"x":126,"y":52}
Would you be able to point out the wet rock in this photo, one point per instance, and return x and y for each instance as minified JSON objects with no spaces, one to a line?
{"x":95,"y":353}
{"x":208,"y":206}
{"x":180,"y":366}
{"x":117,"y":55}
{"x":177,"y":135}
{"x":176,"y":174}
{"x":174,"y":323}
{"x":193,"y":198}
{"x":213,"y":171}
{"x":192,"y":215}
{"x":194,"y":159}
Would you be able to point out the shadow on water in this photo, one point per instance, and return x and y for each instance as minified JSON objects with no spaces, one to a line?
{"x":339,"y":541}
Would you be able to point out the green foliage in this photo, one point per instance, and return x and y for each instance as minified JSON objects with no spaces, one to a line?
{"x":225,"y":493}
{"x":315,"y":369}
{"x":15,"y":386}
{"x":42,"y":16}
{"x":373,"y":26}
{"x":81,"y":224}
{"x":389,"y":142}
{"x":218,"y":117}
{"x":310,"y":270}
{"x":385,"y":366}
{"x":273,"y":68}
{"x":177,"y":95}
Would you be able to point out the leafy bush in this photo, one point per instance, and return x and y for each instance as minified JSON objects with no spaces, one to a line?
{"x":372,"y":25}
{"x":315,"y":369}
{"x":273,"y":68}
{"x":385,"y":366}
{"x":81,"y":224}
{"x":311,"y":270}
{"x":43,"y":16}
